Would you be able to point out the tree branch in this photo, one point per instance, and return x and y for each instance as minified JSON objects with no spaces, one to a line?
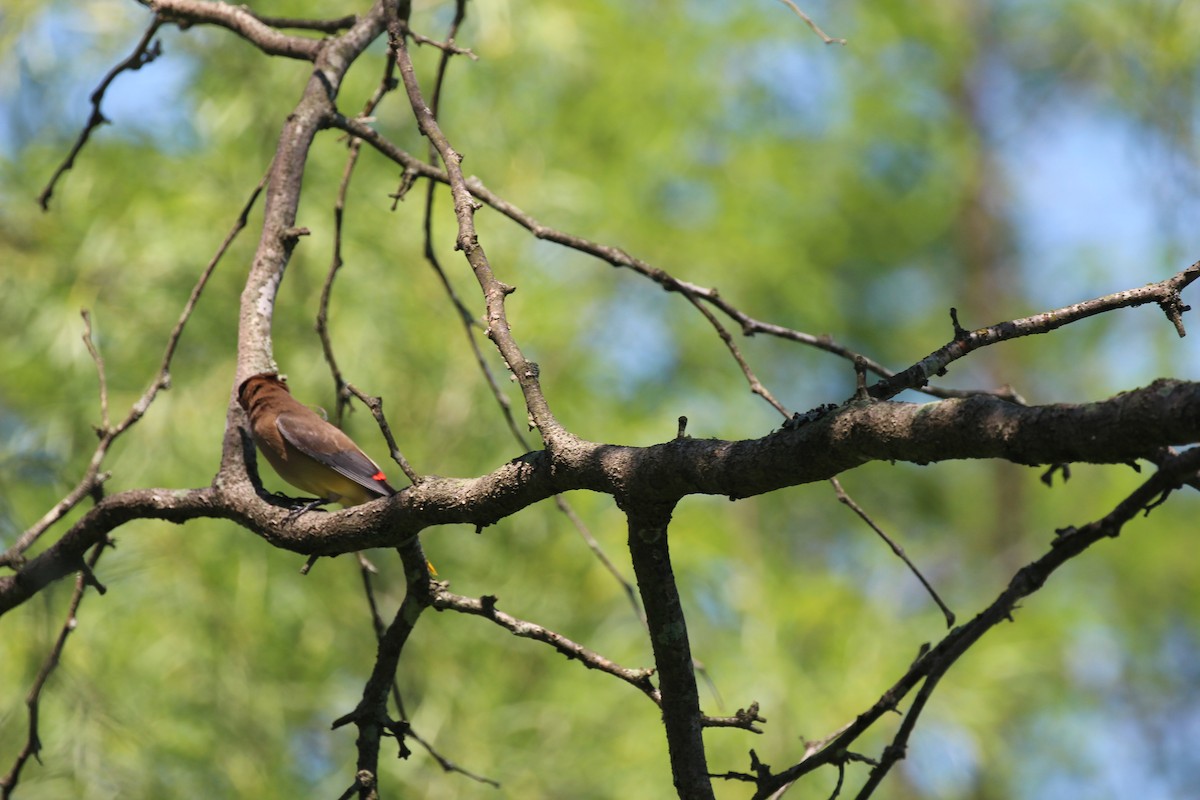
{"x":682,"y":720}
{"x":935,"y":662}
{"x":485,"y":607}
{"x":143,"y":53}
{"x":1166,"y":412}
{"x":241,"y":21}
{"x":494,"y":291}
{"x":1165,"y":293}
{"x":33,"y":740}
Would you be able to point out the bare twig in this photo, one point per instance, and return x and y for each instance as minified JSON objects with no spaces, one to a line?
{"x":366,"y":570}
{"x":376,"y":406}
{"x":371,"y":715}
{"x":240,"y":20}
{"x":494,"y":291}
{"x":98,"y":360}
{"x":386,"y":84}
{"x":146,"y":51}
{"x":848,"y":501}
{"x":449,"y":766}
{"x":447,"y":47}
{"x":486,"y":607}
{"x":808,"y":21}
{"x":744,"y":718}
{"x":1165,"y":293}
{"x":33,"y":741}
{"x":756,"y":385}
{"x":936,"y":661}
{"x":895,"y":750}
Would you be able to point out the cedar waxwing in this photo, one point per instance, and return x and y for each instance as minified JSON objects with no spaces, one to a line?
{"x":305,"y":450}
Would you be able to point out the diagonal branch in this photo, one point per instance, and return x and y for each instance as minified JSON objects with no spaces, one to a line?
{"x":146,"y":51}
{"x":371,"y":716}
{"x":1165,"y":293}
{"x":494,"y":291}
{"x":33,"y":741}
{"x":93,"y":479}
{"x":366,"y":570}
{"x":848,"y":501}
{"x":935,"y":662}
{"x":826,"y":38}
{"x":485,"y":607}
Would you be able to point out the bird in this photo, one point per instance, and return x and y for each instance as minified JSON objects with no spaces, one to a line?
{"x":308,"y":452}
{"x":305,"y":450}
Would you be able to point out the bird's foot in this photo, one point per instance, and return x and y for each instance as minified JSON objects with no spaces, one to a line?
{"x":302,"y":505}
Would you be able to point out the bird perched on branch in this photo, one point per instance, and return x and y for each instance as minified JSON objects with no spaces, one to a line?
{"x":307,"y":451}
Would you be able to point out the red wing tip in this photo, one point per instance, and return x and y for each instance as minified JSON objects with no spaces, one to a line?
{"x":379,"y":476}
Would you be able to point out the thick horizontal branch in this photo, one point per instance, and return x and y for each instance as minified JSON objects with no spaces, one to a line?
{"x":66,"y":555}
{"x":1121,"y":429}
{"x":1124,"y":428}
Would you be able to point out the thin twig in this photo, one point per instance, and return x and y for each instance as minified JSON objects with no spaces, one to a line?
{"x":142,"y":54}
{"x":744,"y":718}
{"x":494,"y":290}
{"x":808,"y":21}
{"x":848,"y":501}
{"x":366,"y":569}
{"x":449,"y":766}
{"x":894,"y":752}
{"x":33,"y":742}
{"x":1165,"y":293}
{"x":447,"y":47}
{"x":756,"y":385}
{"x":386,"y":84}
{"x":376,"y":406}
{"x":486,"y":607}
{"x":98,"y":360}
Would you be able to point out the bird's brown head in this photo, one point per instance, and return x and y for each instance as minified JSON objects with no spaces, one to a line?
{"x":256,"y":385}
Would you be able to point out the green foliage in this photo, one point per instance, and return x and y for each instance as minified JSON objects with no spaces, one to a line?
{"x":822,"y":188}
